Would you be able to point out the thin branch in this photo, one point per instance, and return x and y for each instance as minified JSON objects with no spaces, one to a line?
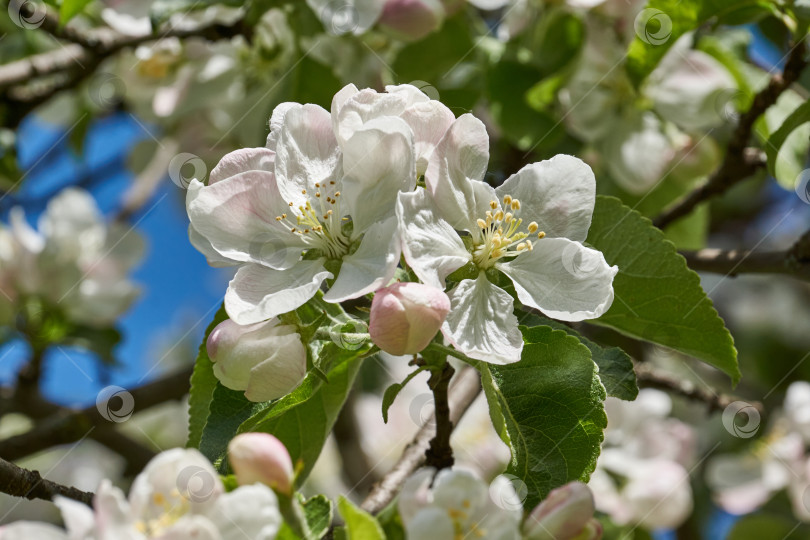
{"x":21,"y":482}
{"x":794,"y":261}
{"x":650,"y":378}
{"x":740,"y":162}
{"x":463,"y":390}
{"x":440,"y":454}
{"x":68,"y":426}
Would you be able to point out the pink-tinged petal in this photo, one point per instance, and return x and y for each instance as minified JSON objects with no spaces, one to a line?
{"x":276,"y":121}
{"x":558,"y":194}
{"x":563,"y":279}
{"x":237,"y":216}
{"x":406,"y":316}
{"x":481,"y":323}
{"x":239,"y":161}
{"x":429,"y":121}
{"x":364,"y":106}
{"x":257,"y":293}
{"x":455,"y":170}
{"x":432,"y":248}
{"x":261,"y":458}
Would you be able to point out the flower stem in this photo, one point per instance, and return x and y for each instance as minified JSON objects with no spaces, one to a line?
{"x":439,"y":454}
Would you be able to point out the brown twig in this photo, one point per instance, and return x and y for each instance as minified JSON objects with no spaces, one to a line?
{"x":794,"y":261}
{"x":463,"y":390}
{"x":21,"y":482}
{"x":739,"y":162}
{"x":440,"y":454}
{"x":650,"y":378}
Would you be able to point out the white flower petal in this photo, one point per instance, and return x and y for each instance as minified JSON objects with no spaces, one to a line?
{"x":344,"y":95}
{"x":237,"y":216}
{"x":431,"y":246}
{"x":481,"y":323}
{"x":257,"y":293}
{"x":276,"y":121}
{"x":306,"y":152}
{"x":429,"y":121}
{"x":409,"y":92}
{"x":558,"y":193}
{"x":202,"y":245}
{"x":247,"y":512}
{"x":29,"y":530}
{"x":281,"y":373}
{"x":363,"y":107}
{"x":78,"y":517}
{"x":244,"y":159}
{"x":430,"y":523}
{"x":454,"y":172}
{"x":378,"y":162}
{"x":371,"y":267}
{"x":563,"y":279}
{"x":191,"y":526}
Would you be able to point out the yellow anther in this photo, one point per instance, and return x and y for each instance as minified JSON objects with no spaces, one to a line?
{"x":515,"y":204}
{"x":318,"y":194}
{"x":481,"y":223}
{"x":529,"y":243}
{"x":283,"y":216}
{"x":507,"y":199}
{"x":541,"y":234}
{"x":292,"y":230}
{"x":498,"y":215}
{"x":337,"y":194}
{"x":493,"y":204}
{"x":303,"y":192}
{"x":278,"y":218}
{"x":317,"y":185}
{"x":291,"y":203}
{"x":508,"y":217}
{"x":521,"y":246}
{"x":533,"y":227}
{"x":331,"y":182}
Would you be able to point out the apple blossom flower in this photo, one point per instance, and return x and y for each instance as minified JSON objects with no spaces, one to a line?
{"x":262,"y":458}
{"x":282,"y":212}
{"x":406,"y":316}
{"x":530,"y":228}
{"x":73,"y":260}
{"x":267,"y":360}
{"x":178,"y":495}
{"x":456,"y":505}
{"x":565,"y":514}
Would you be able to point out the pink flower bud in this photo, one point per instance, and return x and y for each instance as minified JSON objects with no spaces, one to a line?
{"x":261,"y":458}
{"x":406,"y":316}
{"x":566,"y":513}
{"x":267,"y":360}
{"x":412,"y":19}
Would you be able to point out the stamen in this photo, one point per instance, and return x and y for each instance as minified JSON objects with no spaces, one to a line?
{"x":533,"y":227}
{"x":541,"y":234}
{"x":507,"y":200}
{"x":493,"y":204}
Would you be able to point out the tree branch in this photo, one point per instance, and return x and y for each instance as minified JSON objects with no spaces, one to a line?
{"x":463,"y":391}
{"x":440,"y":454}
{"x":794,"y":261}
{"x":739,"y":162}
{"x":650,"y":378}
{"x":21,"y":482}
{"x":65,"y":426}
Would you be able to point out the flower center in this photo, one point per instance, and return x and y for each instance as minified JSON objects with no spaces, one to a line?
{"x":501,"y":234}
{"x":319,"y":221}
{"x":172,"y":509}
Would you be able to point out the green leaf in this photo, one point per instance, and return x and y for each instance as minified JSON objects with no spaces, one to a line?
{"x":787,"y":165}
{"x":303,"y":419}
{"x":615,"y":366}
{"x":658,"y":298}
{"x":360,"y":525}
{"x":318,"y":513}
{"x":71,"y":8}
{"x":228,"y":409}
{"x":548,"y":409}
{"x":203,"y":383}
{"x":759,"y":526}
{"x":662,"y":22}
{"x":392,"y":391}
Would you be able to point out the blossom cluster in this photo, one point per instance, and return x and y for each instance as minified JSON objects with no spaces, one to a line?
{"x":336,"y":198}
{"x":74,"y":262}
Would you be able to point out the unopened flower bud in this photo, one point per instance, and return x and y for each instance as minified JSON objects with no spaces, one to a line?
{"x":406,"y":316}
{"x":261,"y":458}
{"x":412,"y":19}
{"x":566,"y":514}
{"x":267,"y":360}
